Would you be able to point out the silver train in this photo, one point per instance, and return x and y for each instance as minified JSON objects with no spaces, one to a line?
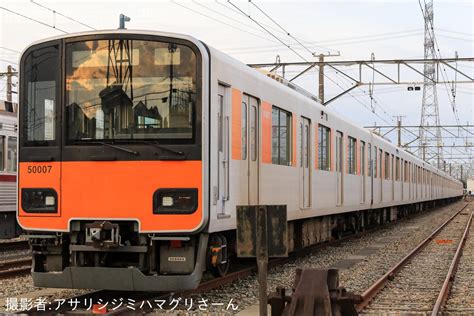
{"x":8,"y":168}
{"x":137,"y":149}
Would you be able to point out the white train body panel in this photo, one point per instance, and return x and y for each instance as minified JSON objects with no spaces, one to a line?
{"x":281,"y":184}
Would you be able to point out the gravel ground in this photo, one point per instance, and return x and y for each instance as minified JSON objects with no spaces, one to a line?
{"x":244,"y":293}
{"x":461,"y":299}
{"x":407,"y":234}
{"x":14,"y":254}
{"x":12,"y":239}
{"x":416,"y":287}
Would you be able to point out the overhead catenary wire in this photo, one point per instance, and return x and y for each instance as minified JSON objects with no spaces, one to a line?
{"x":345,"y":41}
{"x":34,"y":20}
{"x":303,"y":58}
{"x":63,"y":15}
{"x":232,"y":9}
{"x":268,"y":31}
{"x":225,"y":15}
{"x":8,"y":61}
{"x":222,"y":22}
{"x":283,"y":29}
{"x":9,"y":49}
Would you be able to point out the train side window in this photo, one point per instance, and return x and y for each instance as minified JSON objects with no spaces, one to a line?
{"x":380,"y":163}
{"x":387,"y":166}
{"x":281,"y":137}
{"x":352,"y":159}
{"x":244,"y":130}
{"x":220,"y":119}
{"x":397,"y":169}
{"x":41,"y":81}
{"x":2,"y":153}
{"x":11,"y":154}
{"x":253,"y":133}
{"x":223,"y":144}
{"x":301,"y":145}
{"x":376,"y":158}
{"x":362,"y":158}
{"x":324,"y":147}
{"x":369,"y":169}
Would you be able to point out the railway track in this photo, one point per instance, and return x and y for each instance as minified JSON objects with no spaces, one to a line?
{"x":138,"y":299}
{"x":421,"y":281}
{"x":16,"y":267}
{"x":13,"y":245}
{"x":461,"y":296}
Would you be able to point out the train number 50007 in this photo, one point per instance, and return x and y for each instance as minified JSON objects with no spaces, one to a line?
{"x":39,"y":169}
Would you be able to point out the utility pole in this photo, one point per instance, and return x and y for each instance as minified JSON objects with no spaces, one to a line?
{"x":321,"y":78}
{"x":430,"y":137}
{"x":399,"y":130}
{"x":9,"y":75}
{"x":321,"y":74}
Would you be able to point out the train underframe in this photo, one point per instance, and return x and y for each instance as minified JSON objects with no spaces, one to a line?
{"x":113,"y":255}
{"x":9,"y":227}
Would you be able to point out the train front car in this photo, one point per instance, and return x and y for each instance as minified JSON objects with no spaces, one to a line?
{"x":112,"y":172}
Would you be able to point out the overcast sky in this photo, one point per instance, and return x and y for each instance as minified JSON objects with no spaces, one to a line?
{"x":389,"y":29}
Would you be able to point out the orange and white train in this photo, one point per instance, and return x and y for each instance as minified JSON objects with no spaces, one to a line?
{"x":136,"y":147}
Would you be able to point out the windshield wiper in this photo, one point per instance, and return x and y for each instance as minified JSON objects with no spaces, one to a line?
{"x":157,"y":145}
{"x":118,"y":148}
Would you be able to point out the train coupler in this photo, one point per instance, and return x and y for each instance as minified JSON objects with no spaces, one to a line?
{"x":315,"y":292}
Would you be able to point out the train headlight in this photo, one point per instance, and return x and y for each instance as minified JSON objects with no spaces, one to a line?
{"x":39,"y":200}
{"x":175,"y":201}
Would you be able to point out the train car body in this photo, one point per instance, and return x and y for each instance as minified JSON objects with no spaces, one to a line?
{"x":136,"y":147}
{"x":8,"y":165}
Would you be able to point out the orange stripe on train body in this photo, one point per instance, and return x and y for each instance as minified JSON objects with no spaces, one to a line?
{"x":115,"y":190}
{"x":266,"y":132}
{"x":236,"y":124}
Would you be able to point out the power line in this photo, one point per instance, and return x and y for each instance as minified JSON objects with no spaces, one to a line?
{"x":9,"y":49}
{"x":9,"y":61}
{"x":268,"y":26}
{"x":289,"y":47}
{"x":34,"y":20}
{"x":222,"y":22}
{"x":283,"y":29}
{"x":348,"y":40}
{"x":266,"y":30}
{"x":63,"y":15}
{"x":224,"y":15}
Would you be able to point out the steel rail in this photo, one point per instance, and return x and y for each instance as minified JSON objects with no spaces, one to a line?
{"x":445,"y":289}
{"x":15,"y":267}
{"x":207,"y":285}
{"x":376,"y":287}
{"x":15,"y":263}
{"x":212,"y":284}
{"x":14,"y":245}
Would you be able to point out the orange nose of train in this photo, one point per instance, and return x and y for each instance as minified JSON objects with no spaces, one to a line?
{"x":133,"y":190}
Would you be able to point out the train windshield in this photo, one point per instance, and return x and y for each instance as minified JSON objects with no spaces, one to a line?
{"x":129,"y":90}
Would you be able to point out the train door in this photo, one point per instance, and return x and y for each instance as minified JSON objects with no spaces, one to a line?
{"x":221,"y":194}
{"x":305,"y":154}
{"x":371,"y":173}
{"x":339,"y":167}
{"x":362,"y":171}
{"x":253,"y":141}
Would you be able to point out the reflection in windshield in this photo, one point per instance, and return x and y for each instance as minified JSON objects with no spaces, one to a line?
{"x":128,"y":89}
